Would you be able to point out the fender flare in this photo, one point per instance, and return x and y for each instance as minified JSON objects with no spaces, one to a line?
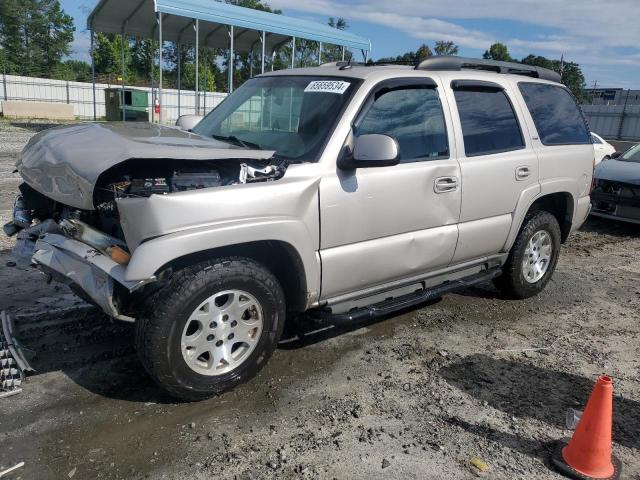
{"x":534,"y":193}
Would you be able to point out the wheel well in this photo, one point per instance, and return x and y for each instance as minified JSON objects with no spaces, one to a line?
{"x":560,"y":205}
{"x":280,"y":258}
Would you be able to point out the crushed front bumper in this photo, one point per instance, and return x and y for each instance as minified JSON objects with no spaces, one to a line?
{"x":71,"y":261}
{"x":616,"y":206}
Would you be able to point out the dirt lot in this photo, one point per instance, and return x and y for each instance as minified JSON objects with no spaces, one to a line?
{"x":414,"y":396}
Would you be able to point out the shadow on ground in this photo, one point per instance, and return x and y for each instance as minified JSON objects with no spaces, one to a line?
{"x":616,"y":228}
{"x":36,"y":126}
{"x":524,"y":390}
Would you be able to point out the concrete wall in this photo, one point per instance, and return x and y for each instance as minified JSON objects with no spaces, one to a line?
{"x":51,"y":111}
{"x":614,"y":121}
{"x":80,"y":96}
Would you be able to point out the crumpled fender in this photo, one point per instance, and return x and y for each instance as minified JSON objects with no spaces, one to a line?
{"x":162,"y":228}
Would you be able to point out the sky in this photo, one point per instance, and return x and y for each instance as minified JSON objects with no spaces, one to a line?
{"x":602,"y":36}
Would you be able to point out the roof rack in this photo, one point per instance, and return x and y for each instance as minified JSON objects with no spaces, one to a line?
{"x":455,"y":63}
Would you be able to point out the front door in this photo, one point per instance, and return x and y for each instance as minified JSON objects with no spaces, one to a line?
{"x":383,"y":224}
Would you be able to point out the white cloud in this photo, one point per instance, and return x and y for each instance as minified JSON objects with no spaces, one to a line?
{"x":587,"y":31}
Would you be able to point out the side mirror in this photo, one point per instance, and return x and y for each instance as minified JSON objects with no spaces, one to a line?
{"x":616,"y":154}
{"x":372,"y":150}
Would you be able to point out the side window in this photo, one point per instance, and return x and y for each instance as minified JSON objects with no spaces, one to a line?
{"x":595,"y":139}
{"x":555,"y":113}
{"x":413,"y":116}
{"x":489,"y":124}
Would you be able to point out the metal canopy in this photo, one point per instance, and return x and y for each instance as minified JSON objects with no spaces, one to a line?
{"x":138,"y":18}
{"x":212,"y":24}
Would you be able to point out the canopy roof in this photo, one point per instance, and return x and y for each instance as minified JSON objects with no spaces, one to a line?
{"x":138,"y":18}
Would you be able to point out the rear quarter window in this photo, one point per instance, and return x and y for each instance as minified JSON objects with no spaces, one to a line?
{"x":555,"y":114}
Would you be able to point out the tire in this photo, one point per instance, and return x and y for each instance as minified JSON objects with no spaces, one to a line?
{"x":513,"y":282}
{"x":163,"y":336}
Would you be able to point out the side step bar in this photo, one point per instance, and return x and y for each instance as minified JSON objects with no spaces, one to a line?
{"x":394,"y":304}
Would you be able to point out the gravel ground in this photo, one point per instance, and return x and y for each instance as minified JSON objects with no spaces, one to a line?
{"x":417,"y":395}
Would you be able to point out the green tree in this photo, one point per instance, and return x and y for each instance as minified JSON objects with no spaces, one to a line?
{"x":73,"y":70}
{"x":107,"y":56}
{"x":497,"y":51}
{"x":445,"y":47}
{"x":571,"y":72}
{"x":410,"y":58}
{"x":34,"y":36}
{"x":423,"y":52}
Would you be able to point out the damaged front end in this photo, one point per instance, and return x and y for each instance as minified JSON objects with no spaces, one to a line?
{"x":616,"y":193}
{"x":67,"y":219}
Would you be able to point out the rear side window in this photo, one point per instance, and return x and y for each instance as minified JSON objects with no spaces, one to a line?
{"x":556,"y":115}
{"x":413,"y":116}
{"x":489,"y":124}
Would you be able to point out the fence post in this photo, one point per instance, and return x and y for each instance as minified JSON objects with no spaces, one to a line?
{"x":67,"y":85}
{"x":4,"y":83}
{"x":622,"y":115}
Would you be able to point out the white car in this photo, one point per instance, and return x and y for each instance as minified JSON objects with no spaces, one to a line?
{"x":603,"y":150}
{"x":187,"y":122}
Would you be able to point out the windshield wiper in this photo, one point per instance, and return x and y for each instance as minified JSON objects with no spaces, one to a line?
{"x":237,"y":141}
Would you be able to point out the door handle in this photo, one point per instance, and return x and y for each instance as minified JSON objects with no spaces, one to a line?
{"x":445,"y":184}
{"x":522,"y":173}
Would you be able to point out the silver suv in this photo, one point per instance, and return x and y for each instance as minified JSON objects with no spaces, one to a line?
{"x":344,"y":191}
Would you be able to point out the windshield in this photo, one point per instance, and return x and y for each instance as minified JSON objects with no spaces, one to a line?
{"x":631,"y":155}
{"x":291,"y":115}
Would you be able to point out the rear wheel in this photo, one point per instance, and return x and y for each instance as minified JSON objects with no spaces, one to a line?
{"x":533,"y":258}
{"x":212,"y":327}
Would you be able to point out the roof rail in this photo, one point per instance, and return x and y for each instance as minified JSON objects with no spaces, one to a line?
{"x":455,"y":63}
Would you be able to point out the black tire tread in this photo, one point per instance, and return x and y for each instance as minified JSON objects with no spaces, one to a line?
{"x":510,"y":282}
{"x":151,"y":337}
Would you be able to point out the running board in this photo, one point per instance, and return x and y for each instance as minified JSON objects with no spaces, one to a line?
{"x":406,"y":301}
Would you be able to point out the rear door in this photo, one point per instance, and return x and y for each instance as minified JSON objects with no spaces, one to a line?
{"x":384,"y":224}
{"x":497,"y":164}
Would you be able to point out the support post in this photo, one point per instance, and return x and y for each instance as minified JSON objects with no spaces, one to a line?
{"x":293,"y":52}
{"x":179,"y":76}
{"x":67,"y":89}
{"x":263,"y":47}
{"x":343,"y":53}
{"x":4,"y":82}
{"x":160,"y":69}
{"x":319,"y":53}
{"x":622,"y":116}
{"x":122,"y":104}
{"x":93,"y":75}
{"x":273,"y":58}
{"x":197,"y":62}
{"x":231,"y":61}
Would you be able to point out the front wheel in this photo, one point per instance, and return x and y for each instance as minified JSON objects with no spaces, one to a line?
{"x":212,"y":327}
{"x":533,"y":258}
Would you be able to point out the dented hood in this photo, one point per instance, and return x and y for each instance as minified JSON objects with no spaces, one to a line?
{"x":619,"y":171}
{"x":64,"y":163}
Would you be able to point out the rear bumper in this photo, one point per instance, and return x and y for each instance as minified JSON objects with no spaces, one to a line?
{"x":71,"y":261}
{"x":583,"y":207}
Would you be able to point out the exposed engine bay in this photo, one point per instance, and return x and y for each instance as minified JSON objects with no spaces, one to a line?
{"x":35,"y":214}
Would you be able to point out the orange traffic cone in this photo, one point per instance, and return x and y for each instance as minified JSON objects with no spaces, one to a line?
{"x":588,"y":455}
